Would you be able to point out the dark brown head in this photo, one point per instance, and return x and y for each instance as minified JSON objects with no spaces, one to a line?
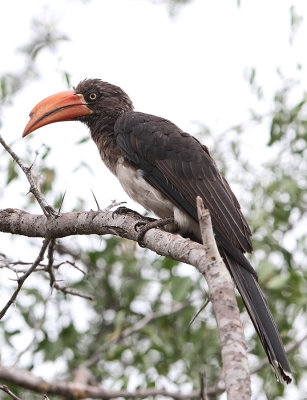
{"x":96,"y":103}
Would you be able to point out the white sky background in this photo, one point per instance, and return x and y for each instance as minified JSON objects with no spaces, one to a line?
{"x":188,"y":68}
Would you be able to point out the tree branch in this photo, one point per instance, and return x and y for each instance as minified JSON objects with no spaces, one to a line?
{"x":76,"y":390}
{"x":5,"y":389}
{"x":47,"y":209}
{"x":232,"y":340}
{"x":100,"y":223}
{"x":163,"y":243}
{"x":20,"y":281}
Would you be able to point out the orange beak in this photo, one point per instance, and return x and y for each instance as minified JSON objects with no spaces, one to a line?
{"x":63,"y":106}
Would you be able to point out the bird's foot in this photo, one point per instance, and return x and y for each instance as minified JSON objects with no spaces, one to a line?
{"x":124,"y":210}
{"x":146,"y":226}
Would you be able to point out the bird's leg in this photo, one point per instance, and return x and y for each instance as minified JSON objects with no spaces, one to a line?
{"x":146,"y":226}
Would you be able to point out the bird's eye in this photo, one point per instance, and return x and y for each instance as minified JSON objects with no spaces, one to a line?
{"x":92,"y":96}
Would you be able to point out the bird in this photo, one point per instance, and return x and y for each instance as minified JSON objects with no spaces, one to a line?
{"x":164,"y":169}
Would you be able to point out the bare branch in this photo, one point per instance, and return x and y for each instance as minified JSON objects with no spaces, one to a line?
{"x":73,"y":265}
{"x":233,"y":347}
{"x":203,"y":392}
{"x":76,"y":390}
{"x":47,"y":209}
{"x":21,"y":280}
{"x":101,"y":223}
{"x":12,"y":265}
{"x":50,"y":267}
{"x":72,"y":291}
{"x":53,"y":283}
{"x":5,"y":389}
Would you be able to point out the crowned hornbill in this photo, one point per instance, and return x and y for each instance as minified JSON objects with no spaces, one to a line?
{"x":165,"y":169}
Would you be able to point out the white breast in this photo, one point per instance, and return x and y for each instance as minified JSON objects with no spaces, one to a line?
{"x":139,"y":190}
{"x":151,"y":199}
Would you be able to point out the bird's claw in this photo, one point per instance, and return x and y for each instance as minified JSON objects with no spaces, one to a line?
{"x":147,"y":225}
{"x":139,"y":224}
{"x":147,"y":221}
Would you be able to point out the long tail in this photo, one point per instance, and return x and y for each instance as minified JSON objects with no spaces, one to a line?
{"x":260,"y":314}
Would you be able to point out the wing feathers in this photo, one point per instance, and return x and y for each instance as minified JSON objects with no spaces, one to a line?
{"x":180,"y":166}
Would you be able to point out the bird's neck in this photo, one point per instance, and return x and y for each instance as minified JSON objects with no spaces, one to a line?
{"x":103,"y":135}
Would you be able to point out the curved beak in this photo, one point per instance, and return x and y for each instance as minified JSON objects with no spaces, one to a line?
{"x":63,"y":106}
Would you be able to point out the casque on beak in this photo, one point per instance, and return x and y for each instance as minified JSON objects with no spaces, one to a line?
{"x":63,"y":106}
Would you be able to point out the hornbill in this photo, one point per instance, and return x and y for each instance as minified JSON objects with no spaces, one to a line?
{"x":165,"y":169}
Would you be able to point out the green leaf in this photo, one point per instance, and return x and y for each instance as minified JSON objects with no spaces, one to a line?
{"x":265,"y":270}
{"x":11,"y":171}
{"x":83,"y":140}
{"x":67,"y":79}
{"x":3,"y":88}
{"x":180,"y":288}
{"x":278,"y":281}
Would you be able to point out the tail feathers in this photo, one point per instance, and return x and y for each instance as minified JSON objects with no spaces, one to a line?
{"x":261,"y":317}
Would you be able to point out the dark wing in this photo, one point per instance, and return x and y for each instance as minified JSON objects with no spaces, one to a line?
{"x":181,"y":167}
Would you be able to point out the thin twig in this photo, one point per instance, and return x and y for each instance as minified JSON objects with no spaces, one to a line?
{"x":53,"y":283}
{"x":132,"y":329}
{"x":11,"y":265}
{"x":50,"y":268}
{"x":199,"y":311}
{"x":62,"y":201}
{"x":22,"y":279}
{"x":69,"y":389}
{"x":202,"y":384}
{"x":96,"y":201}
{"x":47,"y":209}
{"x":5,"y":389}
{"x":115,"y":203}
{"x":72,"y":291}
{"x":73,"y":265}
